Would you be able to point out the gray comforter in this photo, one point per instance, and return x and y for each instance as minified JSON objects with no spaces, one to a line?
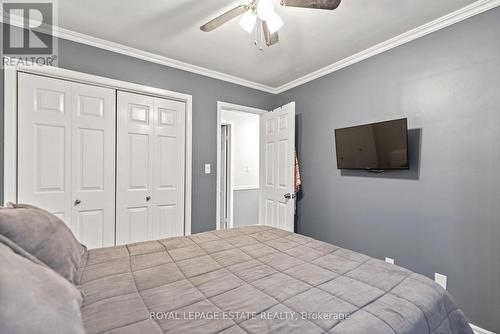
{"x":257,"y":280}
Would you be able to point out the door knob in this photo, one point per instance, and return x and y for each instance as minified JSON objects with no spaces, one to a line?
{"x":289,"y":196}
{"x":78,"y":202}
{"x":148,"y":198}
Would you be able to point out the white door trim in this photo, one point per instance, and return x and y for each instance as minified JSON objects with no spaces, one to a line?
{"x":221,"y":106}
{"x":228,"y":175}
{"x":10,"y":121}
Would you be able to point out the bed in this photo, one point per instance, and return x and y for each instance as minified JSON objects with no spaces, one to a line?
{"x":257,"y":279}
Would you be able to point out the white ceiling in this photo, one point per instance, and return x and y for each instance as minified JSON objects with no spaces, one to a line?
{"x":310,"y":39}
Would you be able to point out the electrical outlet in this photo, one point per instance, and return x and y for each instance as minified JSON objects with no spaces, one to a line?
{"x":441,"y":280}
{"x":389,"y":260}
{"x":207,"y":168}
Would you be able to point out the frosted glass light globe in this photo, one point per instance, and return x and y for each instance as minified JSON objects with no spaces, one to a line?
{"x":265,"y":9}
{"x":248,"y":20}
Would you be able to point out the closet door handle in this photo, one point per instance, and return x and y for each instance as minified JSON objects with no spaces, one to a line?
{"x":148,"y":198}
{"x":78,"y":202}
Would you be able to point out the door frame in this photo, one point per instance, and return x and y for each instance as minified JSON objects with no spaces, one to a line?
{"x":229,"y":183}
{"x":224,"y":106}
{"x":10,"y":121}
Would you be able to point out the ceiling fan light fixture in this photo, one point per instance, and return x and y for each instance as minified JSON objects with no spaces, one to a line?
{"x":265,"y":8}
{"x":248,"y":20}
{"x":274,"y":23}
{"x":262,"y":12}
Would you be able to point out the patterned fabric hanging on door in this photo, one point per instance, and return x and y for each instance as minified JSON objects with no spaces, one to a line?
{"x":298,"y":179}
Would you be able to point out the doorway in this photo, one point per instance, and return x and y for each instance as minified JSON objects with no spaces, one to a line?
{"x":259,"y":185}
{"x":238,"y":165}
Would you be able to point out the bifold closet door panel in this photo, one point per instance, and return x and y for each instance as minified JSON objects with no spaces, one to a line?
{"x":151,"y":164}
{"x":66,"y":154}
{"x":44,"y":144}
{"x":134,"y":217}
{"x":93,"y":160}
{"x":169,"y":168}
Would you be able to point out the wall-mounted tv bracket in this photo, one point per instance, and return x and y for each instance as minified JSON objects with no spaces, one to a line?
{"x":378,"y":171}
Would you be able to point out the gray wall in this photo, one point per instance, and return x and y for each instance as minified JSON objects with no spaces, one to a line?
{"x":245,"y":207}
{"x":442,"y":216}
{"x":205,"y":91}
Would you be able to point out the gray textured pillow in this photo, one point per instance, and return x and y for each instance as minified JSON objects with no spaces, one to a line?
{"x":44,"y":236}
{"x":33,"y":298}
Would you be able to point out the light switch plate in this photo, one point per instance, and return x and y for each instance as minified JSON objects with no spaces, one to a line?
{"x":441,"y":280}
{"x":207,"y":168}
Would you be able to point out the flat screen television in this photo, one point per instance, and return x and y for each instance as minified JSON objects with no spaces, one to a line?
{"x":377,"y":146}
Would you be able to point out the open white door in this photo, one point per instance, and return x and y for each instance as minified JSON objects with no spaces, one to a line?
{"x":277,"y":145}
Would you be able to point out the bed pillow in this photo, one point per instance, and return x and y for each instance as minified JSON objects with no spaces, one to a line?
{"x":33,"y":298}
{"x":44,"y":236}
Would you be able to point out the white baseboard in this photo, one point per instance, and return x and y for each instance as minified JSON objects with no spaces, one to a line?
{"x":479,"y":330}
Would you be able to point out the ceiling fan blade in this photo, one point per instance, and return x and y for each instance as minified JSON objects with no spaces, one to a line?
{"x":226,"y":17}
{"x":271,"y":39}
{"x":317,"y":4}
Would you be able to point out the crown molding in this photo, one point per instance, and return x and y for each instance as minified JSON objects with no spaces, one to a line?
{"x":143,"y":55}
{"x":155,"y":58}
{"x":464,"y":13}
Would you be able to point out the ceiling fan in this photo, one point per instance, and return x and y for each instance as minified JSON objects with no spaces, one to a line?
{"x":263,"y":11}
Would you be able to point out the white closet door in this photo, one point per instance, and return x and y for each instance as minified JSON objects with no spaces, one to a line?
{"x":169,"y":168}
{"x":151,"y":150}
{"x":44,"y":144}
{"x":66,"y":159}
{"x":134,"y":168}
{"x":93,"y":161}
